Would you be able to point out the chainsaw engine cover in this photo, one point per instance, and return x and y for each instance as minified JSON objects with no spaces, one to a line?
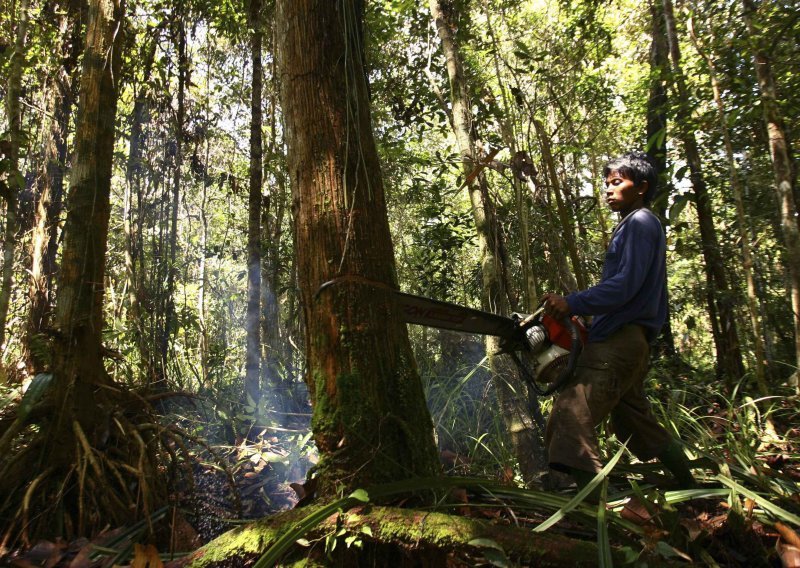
{"x":549,"y":344}
{"x":550,"y":363}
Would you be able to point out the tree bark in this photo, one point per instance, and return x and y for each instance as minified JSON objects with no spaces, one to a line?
{"x":71,"y":484}
{"x":525,"y":439}
{"x":50,"y":188}
{"x":253,"y":324}
{"x":370,"y":421}
{"x":719,"y":296}
{"x":782,"y":168}
{"x":79,"y":310}
{"x":15,"y":181}
{"x":741,"y":220}
{"x":567,"y":232}
{"x":656,"y":132}
{"x":134,"y":258}
{"x":170,"y":319}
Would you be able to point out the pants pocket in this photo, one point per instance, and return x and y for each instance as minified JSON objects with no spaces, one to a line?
{"x":601,"y":387}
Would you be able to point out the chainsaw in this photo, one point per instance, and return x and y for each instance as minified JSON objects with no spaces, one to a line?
{"x":549,"y":348}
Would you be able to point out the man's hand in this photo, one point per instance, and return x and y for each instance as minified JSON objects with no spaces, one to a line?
{"x":555,"y":306}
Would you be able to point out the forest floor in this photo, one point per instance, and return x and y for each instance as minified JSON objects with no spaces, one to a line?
{"x":705,"y":530}
{"x":742,"y":515}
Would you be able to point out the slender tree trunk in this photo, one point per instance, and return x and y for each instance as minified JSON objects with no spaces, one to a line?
{"x":15,"y":182}
{"x":720,"y":296}
{"x":565,"y":277}
{"x":529,"y":286}
{"x":273,"y":209}
{"x":741,"y":219}
{"x":656,"y":131}
{"x":50,"y":188}
{"x":253,"y":327}
{"x":567,"y":232}
{"x":370,"y":420}
{"x":600,"y":212}
{"x":71,"y":482}
{"x":524,"y":437}
{"x":177,"y":179}
{"x":134,"y":261}
{"x":782,"y":167}
{"x":79,"y":311}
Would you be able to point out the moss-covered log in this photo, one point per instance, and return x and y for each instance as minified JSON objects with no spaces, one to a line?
{"x":401,"y":537}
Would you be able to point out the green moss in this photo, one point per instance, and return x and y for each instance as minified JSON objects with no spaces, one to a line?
{"x":414,"y":533}
{"x":248,"y":541}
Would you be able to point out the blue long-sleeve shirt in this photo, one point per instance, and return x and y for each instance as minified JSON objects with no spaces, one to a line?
{"x":633,"y":288}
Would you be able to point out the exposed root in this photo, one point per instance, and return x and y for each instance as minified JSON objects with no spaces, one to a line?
{"x":26,"y":503}
{"x":102,"y":460}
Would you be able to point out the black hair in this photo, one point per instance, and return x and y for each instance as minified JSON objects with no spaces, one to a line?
{"x":637,"y":167}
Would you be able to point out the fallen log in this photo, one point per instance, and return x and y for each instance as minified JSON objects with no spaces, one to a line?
{"x":390,"y":536}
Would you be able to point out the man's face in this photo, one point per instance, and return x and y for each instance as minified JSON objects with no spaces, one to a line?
{"x":622,"y":196}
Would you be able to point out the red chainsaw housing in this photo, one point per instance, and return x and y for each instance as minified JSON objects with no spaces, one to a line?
{"x":559,"y":335}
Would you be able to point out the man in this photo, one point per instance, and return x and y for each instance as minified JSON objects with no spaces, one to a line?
{"x":630,"y":305}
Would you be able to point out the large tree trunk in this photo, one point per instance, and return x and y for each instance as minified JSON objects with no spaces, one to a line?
{"x":720,"y":296}
{"x":252,"y":380}
{"x":524,"y":436}
{"x":782,"y":167}
{"x":370,"y":421}
{"x":15,"y":180}
{"x":71,"y":484}
{"x":741,"y":220}
{"x":50,"y":187}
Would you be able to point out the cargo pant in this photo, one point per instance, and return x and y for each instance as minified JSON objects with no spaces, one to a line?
{"x":609,"y":380}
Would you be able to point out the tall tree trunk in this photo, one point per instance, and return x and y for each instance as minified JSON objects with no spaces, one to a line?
{"x":782,"y":167}
{"x":273,"y":209}
{"x":252,"y":378}
{"x":84,"y":412}
{"x":15,"y":182}
{"x":370,"y":420}
{"x":741,"y":220}
{"x":530,"y":294}
{"x":720,"y":296}
{"x":134,"y":261}
{"x":525,"y":439}
{"x":50,"y":187}
{"x":170,"y":319}
{"x":79,"y":311}
{"x":567,"y":231}
{"x":656,"y":132}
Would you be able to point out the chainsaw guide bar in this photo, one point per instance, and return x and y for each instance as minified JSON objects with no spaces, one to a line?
{"x":549,"y":348}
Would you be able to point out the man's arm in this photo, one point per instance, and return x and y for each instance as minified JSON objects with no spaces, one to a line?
{"x":640,"y":247}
